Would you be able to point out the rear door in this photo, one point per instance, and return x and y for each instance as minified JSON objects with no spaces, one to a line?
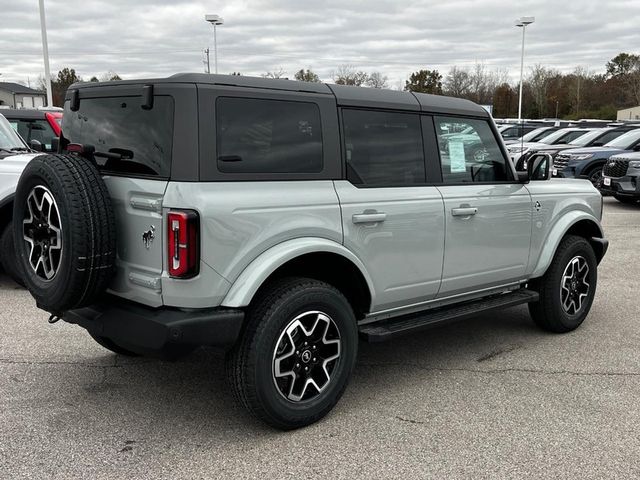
{"x":392,"y":219}
{"x":488,"y":213}
{"x":134,"y":147}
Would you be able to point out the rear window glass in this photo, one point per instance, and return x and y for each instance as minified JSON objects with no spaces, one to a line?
{"x":268,"y":136}
{"x":127,"y":138}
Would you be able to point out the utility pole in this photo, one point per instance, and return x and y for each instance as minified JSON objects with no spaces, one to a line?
{"x":45,"y":52}
{"x":206,"y":51}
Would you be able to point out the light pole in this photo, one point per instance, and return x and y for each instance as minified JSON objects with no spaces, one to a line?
{"x":215,"y":20}
{"x":45,"y":53}
{"x":522,"y":22}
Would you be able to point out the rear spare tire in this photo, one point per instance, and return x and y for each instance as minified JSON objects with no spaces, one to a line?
{"x":64,"y":232}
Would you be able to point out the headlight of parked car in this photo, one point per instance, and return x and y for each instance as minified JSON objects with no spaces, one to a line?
{"x":635,"y":164}
{"x":583,"y":156}
{"x":517,"y":149}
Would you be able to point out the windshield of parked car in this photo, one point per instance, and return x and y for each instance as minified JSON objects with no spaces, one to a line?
{"x":597,"y":137}
{"x":9,"y":139}
{"x":563,"y":135}
{"x":537,"y":134}
{"x":625,"y":141}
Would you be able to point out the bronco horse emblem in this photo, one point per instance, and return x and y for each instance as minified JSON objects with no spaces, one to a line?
{"x":148,"y":236}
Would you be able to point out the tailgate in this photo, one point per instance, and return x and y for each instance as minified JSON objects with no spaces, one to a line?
{"x":138,"y":209}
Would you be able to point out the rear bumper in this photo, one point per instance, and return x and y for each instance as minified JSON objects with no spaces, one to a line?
{"x":147,"y":330}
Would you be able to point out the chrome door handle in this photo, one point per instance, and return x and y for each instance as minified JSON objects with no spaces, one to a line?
{"x":464,"y":211}
{"x":373,"y":217}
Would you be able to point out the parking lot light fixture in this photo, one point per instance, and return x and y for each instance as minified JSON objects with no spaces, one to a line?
{"x":215,"y":20}
{"x":522,"y":22}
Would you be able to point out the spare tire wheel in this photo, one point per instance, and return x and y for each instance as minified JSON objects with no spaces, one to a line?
{"x":64,"y":232}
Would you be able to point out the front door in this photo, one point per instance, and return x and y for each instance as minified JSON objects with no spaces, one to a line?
{"x":487,"y":213}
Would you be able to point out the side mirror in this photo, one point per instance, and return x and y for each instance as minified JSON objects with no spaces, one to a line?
{"x":637,"y":148}
{"x":36,"y":145}
{"x":539,"y":166}
{"x":597,"y":144}
{"x":55,"y":144}
{"x":523,"y":177}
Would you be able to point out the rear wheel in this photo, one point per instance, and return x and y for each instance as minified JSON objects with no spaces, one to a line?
{"x":297,"y":353}
{"x":567,"y":288}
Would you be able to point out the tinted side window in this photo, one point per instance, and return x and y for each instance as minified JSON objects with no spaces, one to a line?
{"x":473,"y":156}
{"x":383,"y":148}
{"x":268,"y":136}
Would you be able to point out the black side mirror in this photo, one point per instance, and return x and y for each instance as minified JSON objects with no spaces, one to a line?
{"x":597,"y":144}
{"x":55,"y":144}
{"x":539,"y":166}
{"x":36,"y":145}
{"x":523,"y":177}
{"x":637,"y":148}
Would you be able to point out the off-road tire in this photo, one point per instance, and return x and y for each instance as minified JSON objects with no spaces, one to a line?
{"x":87,"y":222}
{"x":8,"y":255}
{"x":548,"y":312}
{"x":249,"y":363}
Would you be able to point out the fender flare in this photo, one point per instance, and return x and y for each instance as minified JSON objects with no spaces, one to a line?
{"x":555,"y":236}
{"x":256,"y":273}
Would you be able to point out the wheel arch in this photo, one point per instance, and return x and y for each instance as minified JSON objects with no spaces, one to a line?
{"x":574,"y":223}
{"x":316,"y":258}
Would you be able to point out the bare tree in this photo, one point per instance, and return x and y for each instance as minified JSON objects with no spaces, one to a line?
{"x":279,"y":73}
{"x":307,"y":75}
{"x":538,"y":80}
{"x":377,"y":80}
{"x":458,"y":82}
{"x":348,"y":75}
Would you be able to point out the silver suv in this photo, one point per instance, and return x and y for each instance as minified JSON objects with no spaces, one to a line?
{"x":280,"y":220}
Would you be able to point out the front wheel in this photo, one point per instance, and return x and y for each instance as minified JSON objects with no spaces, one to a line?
{"x":567,"y":288}
{"x":297,"y":353}
{"x":595,"y":176}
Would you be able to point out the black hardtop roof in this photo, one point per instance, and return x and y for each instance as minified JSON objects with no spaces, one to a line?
{"x":345,"y":95}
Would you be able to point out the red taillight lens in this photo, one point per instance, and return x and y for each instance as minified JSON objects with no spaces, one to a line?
{"x":183,"y":245}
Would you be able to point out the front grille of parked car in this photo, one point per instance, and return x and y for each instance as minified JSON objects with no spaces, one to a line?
{"x":615,"y":168}
{"x":561,"y":161}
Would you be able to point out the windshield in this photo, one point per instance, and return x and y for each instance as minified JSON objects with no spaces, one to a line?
{"x":562,"y":134}
{"x":127,"y":138}
{"x":536,"y":134}
{"x":587,"y":138}
{"x":625,"y":141}
{"x":9,"y":139}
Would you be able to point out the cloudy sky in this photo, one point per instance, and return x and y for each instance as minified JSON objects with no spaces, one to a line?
{"x":147,"y":38}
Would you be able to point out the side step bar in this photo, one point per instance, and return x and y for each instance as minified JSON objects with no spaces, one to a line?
{"x":393,"y":327}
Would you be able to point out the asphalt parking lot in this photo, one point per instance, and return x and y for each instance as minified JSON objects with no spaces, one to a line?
{"x":488,"y":397}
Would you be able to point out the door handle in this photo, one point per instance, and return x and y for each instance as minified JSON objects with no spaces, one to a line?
{"x":373,"y":217}
{"x":464,"y":211}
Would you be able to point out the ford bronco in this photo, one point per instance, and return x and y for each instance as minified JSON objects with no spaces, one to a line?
{"x":281,"y":220}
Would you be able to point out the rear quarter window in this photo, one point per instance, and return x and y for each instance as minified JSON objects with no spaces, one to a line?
{"x":268,"y":136}
{"x":127,"y":138}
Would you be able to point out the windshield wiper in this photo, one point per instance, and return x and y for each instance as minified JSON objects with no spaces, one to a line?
{"x":20,"y":149}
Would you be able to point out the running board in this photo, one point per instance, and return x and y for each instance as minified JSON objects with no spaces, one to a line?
{"x":387,"y":329}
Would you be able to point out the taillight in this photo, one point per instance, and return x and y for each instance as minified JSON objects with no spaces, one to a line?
{"x":183,"y":244}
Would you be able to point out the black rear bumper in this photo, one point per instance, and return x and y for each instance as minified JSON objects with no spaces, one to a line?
{"x":153,"y":330}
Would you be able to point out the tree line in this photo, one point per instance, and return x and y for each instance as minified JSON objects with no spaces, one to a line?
{"x":546,"y":91}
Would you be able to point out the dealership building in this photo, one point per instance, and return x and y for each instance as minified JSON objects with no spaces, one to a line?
{"x":14,"y":95}
{"x":632,"y":113}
